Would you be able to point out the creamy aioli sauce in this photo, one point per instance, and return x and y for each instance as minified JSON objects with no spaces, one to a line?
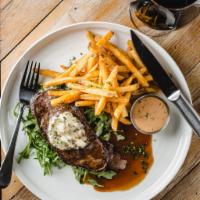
{"x":66,"y":132}
{"x":150,"y":114}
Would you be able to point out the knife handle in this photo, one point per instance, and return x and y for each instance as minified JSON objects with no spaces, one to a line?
{"x":189,"y":113}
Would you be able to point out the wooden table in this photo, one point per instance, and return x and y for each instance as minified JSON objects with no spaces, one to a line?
{"x":25,"y":21}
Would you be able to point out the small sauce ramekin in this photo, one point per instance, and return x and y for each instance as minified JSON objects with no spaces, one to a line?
{"x":137,"y":101}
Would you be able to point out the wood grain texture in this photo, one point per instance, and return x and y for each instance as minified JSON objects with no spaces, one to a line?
{"x":182,"y":44}
{"x":19,"y":18}
{"x":187,"y":186}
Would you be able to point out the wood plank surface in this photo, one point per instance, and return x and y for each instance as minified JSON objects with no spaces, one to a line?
{"x":181,"y":44}
{"x":19,"y":18}
{"x":187,"y":186}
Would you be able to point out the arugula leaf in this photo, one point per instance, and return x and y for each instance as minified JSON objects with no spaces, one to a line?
{"x":94,"y":182}
{"x":80,"y":174}
{"x":36,"y":143}
{"x":84,"y":175}
{"x":105,"y":174}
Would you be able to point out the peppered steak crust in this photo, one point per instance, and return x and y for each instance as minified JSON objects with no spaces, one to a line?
{"x":94,"y":156}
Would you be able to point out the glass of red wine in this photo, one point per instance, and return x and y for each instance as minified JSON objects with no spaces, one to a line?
{"x":158,"y":17}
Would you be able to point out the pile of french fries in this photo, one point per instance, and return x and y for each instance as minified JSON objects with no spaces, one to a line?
{"x":105,"y":78}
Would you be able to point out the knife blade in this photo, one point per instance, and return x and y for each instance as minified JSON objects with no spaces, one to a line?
{"x":171,"y":91}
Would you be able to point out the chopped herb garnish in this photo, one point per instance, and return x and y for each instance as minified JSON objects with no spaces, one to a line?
{"x":135,"y":150}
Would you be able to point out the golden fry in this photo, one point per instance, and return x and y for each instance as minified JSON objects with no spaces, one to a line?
{"x":80,"y":66}
{"x":92,"y":90}
{"x":84,"y":103}
{"x":121,"y":106}
{"x":64,"y":67}
{"x":60,"y":81}
{"x":105,"y":38}
{"x":101,"y":105}
{"x":67,"y":72}
{"x":48,"y":72}
{"x":134,"y":55}
{"x":88,"y":83}
{"x":68,"y":98}
{"x":91,"y":62}
{"x":96,"y":98}
{"x":129,"y":88}
{"x":124,"y":121}
{"x":92,"y":74}
{"x":90,"y":36}
{"x":148,"y":78}
{"x":58,"y":93}
{"x":103,"y":69}
{"x":114,"y":123}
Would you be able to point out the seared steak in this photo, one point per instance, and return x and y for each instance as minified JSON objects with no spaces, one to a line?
{"x":95,"y":156}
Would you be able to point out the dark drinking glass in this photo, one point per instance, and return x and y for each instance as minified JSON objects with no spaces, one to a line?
{"x":157,"y":17}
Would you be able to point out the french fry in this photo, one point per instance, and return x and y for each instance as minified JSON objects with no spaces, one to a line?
{"x":48,"y":72}
{"x":92,"y":90}
{"x":129,"y":88}
{"x":92,"y":74}
{"x":93,"y":48}
{"x":95,"y":67}
{"x":94,"y":97}
{"x":124,"y":121}
{"x":114,"y":123}
{"x":108,"y":83}
{"x":58,"y":93}
{"x":68,"y":98}
{"x":108,"y":59}
{"x":108,"y":107}
{"x":105,"y":38}
{"x":124,"y":59}
{"x":64,"y":67}
{"x":67,"y":72}
{"x":90,"y":36}
{"x":91,"y":97}
{"x":143,"y":70}
{"x":84,"y":103}
{"x":121,"y":106}
{"x":60,"y":81}
{"x":88,"y":83}
{"x":100,"y":106}
{"x":122,"y":68}
{"x":148,"y":78}
{"x":135,"y":55}
{"x":120,"y":77}
{"x":124,"y":112}
{"x":103,"y":69}
{"x":80,"y":66}
{"x":91,"y":62}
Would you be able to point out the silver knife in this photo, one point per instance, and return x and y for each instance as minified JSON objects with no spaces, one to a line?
{"x":171,"y":91}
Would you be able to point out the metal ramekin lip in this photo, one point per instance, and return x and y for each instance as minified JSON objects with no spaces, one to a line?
{"x":136,"y":101}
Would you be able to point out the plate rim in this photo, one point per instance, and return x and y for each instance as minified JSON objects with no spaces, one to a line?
{"x":26,"y":182}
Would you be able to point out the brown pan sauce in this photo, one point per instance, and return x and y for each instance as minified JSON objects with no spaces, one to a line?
{"x":137,"y":167}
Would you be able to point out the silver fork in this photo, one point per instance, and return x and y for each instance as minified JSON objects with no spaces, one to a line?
{"x":28,"y":88}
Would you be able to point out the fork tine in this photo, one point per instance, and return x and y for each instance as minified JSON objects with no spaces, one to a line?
{"x":29,"y":75}
{"x":24,"y":75}
{"x":33,"y":74}
{"x":37,"y":77}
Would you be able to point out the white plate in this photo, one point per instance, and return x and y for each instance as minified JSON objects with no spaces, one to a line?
{"x":169,"y":147}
